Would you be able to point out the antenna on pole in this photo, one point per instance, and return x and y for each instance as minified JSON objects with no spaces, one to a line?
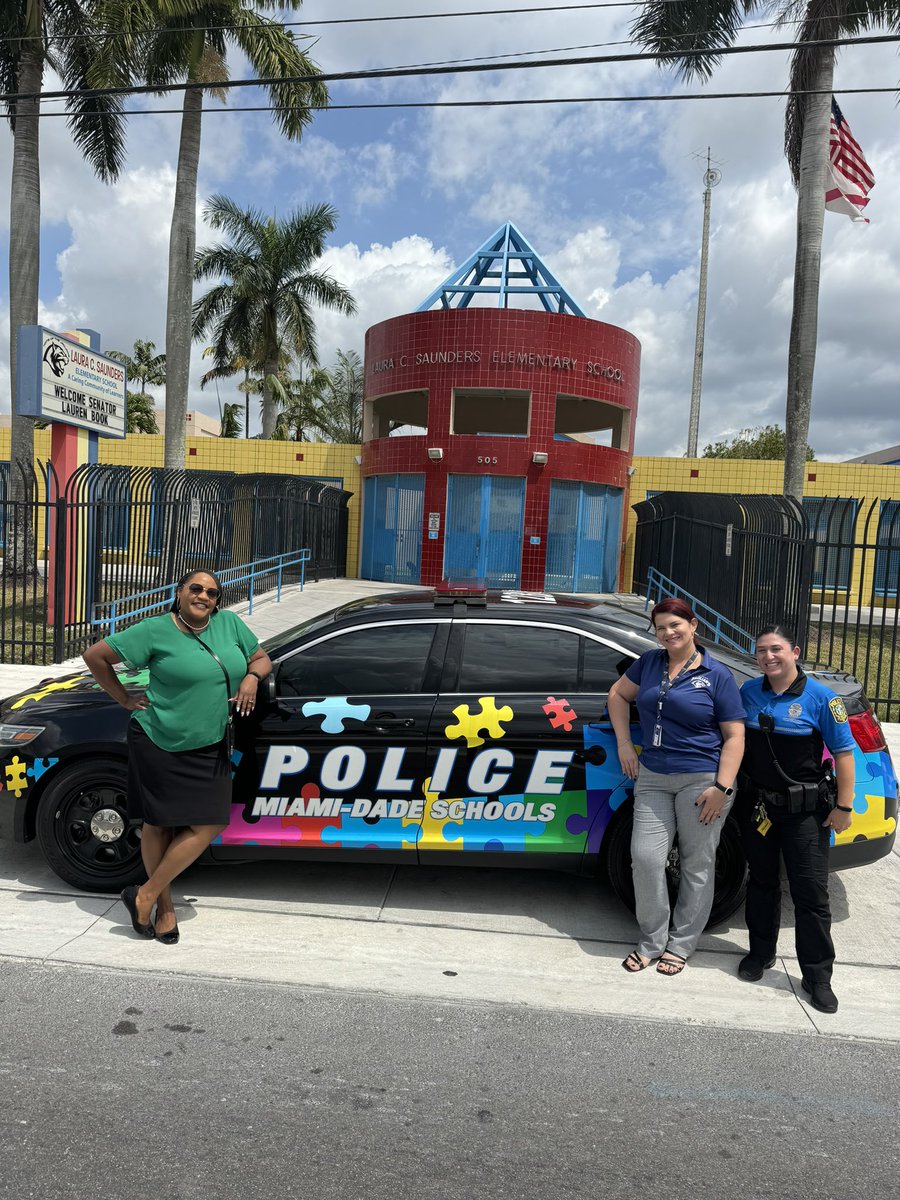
{"x":710,"y":178}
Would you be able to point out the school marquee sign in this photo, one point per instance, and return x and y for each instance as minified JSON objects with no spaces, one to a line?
{"x":61,"y":380}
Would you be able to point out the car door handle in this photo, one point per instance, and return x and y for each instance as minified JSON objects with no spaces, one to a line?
{"x":595,"y":755}
{"x":394,"y":722}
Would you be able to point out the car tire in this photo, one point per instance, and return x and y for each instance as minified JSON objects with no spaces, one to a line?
{"x":83,"y":828}
{"x":731,"y":868}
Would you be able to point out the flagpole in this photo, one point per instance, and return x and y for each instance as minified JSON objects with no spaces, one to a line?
{"x":711,"y":178}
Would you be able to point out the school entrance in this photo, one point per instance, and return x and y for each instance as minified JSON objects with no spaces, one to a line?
{"x":583,"y":531}
{"x":484,"y":529}
{"x":392,"y":528}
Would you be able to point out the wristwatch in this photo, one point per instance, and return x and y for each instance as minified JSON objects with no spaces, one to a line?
{"x":727,"y":792}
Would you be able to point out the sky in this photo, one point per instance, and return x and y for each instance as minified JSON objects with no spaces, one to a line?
{"x":610,"y":195}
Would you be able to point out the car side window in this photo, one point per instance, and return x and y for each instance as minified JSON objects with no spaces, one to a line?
{"x":603,"y":665}
{"x":518,"y":658}
{"x":385,"y":660}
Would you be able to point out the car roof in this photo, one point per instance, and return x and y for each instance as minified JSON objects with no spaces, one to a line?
{"x":549,"y":607}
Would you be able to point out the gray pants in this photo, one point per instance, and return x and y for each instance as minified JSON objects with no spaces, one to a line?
{"x":663,"y":806}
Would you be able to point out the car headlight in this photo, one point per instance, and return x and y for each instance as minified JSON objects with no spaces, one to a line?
{"x":19,"y":735}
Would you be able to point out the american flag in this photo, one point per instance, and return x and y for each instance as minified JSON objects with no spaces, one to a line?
{"x":850,"y":177}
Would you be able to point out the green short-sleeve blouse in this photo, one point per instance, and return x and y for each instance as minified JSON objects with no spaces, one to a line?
{"x":187,"y":692}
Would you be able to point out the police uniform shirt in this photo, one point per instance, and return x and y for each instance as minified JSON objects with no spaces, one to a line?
{"x":808,"y":716}
{"x":696,"y":704}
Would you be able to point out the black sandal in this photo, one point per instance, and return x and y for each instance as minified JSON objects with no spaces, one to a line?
{"x":634,"y":963}
{"x":673,"y":965}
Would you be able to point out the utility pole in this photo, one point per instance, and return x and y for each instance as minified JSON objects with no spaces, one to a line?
{"x":710,"y":179}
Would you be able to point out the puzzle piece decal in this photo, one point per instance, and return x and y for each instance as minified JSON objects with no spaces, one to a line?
{"x":356,"y":833}
{"x":501,"y":835}
{"x":61,"y":685}
{"x":472,"y":725}
{"x":39,"y":766}
{"x":236,"y":756}
{"x":433,"y":835}
{"x":561,"y":713}
{"x":16,"y":781}
{"x":336,"y":710}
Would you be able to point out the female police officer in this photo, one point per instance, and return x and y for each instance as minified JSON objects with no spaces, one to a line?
{"x":786,"y":807}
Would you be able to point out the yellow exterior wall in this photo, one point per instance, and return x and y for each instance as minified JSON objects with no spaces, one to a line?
{"x":865,"y":482}
{"x":246,"y":457}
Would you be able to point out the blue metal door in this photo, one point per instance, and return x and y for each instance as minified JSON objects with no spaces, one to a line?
{"x":484,"y":529}
{"x":583,"y":531}
{"x":392,"y":527}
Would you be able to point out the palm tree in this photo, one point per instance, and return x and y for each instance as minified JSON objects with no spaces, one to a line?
{"x":270,"y":287}
{"x":713,"y":25}
{"x":62,"y":34}
{"x":189,"y":40}
{"x":148,"y":367}
{"x":299,"y":402}
{"x":139,"y":414}
{"x":231,"y":421}
{"x":229,"y":366}
{"x":339,"y":417}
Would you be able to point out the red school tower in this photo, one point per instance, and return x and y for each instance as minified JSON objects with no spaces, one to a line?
{"x":497,"y":441}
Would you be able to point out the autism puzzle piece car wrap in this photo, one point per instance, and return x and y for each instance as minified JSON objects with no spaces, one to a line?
{"x":876,"y":783}
{"x":561,"y":714}
{"x":487,"y":720}
{"x":431,"y":831}
{"x":335,"y":710}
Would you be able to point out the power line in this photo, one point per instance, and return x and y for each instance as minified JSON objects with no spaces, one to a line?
{"x":466,"y":69}
{"x":653,"y":98}
{"x":481,"y":12}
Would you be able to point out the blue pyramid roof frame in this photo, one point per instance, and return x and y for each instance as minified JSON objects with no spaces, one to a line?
{"x":505,"y":266}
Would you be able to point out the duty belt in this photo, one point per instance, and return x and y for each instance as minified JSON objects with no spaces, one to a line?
{"x":776,"y":798}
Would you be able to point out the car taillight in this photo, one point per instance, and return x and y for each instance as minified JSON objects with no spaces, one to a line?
{"x":866,"y":731}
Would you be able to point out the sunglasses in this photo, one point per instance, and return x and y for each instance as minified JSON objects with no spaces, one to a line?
{"x":197,"y":589}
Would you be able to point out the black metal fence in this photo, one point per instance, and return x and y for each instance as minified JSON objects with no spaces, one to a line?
{"x":830,"y":569}
{"x":113,"y":531}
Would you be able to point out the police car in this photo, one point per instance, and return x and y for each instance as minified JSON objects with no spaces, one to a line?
{"x":449,"y":727}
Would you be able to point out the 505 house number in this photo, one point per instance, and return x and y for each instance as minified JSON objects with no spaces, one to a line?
{"x":487,"y":460}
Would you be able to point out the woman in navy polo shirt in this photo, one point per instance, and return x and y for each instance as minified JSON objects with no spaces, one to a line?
{"x":692,"y":730}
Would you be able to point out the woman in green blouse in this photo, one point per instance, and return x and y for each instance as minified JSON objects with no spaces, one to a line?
{"x":201,"y":661}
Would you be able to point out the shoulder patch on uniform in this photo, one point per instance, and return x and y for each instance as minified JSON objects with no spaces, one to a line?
{"x":838,"y":711}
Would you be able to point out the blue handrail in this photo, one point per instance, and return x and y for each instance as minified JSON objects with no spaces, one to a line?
{"x":119,"y":610}
{"x":659,"y":586}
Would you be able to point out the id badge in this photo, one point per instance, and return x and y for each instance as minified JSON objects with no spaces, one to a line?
{"x":657,"y":736}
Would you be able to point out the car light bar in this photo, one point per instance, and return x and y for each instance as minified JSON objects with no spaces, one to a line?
{"x":867,"y":731}
{"x":18,"y":735}
{"x":465,"y":591}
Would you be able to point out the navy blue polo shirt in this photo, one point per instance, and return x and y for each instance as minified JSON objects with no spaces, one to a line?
{"x":808,"y":717}
{"x":694,"y":708}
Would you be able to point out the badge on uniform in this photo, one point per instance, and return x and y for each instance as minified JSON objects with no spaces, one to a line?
{"x":838,"y":711}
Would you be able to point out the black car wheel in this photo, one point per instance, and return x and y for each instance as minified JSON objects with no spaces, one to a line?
{"x":84,"y":831}
{"x":731,"y":868}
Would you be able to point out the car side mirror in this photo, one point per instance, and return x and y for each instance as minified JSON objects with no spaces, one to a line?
{"x":266,"y":692}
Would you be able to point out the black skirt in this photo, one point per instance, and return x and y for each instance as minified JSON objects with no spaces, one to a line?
{"x":177,"y":787}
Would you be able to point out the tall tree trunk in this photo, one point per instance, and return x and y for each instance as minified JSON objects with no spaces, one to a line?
{"x":182,"y":241}
{"x":268,"y":400}
{"x":807,"y":266}
{"x":24,"y":268}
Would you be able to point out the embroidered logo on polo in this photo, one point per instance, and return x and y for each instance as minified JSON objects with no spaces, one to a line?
{"x":795,"y":710}
{"x":699,"y":681}
{"x":837,"y":710}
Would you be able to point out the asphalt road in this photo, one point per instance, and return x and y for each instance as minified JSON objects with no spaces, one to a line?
{"x":119,"y":1085}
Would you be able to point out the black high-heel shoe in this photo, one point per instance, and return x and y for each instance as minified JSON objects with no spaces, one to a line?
{"x":170,"y":938}
{"x":129,"y":899}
